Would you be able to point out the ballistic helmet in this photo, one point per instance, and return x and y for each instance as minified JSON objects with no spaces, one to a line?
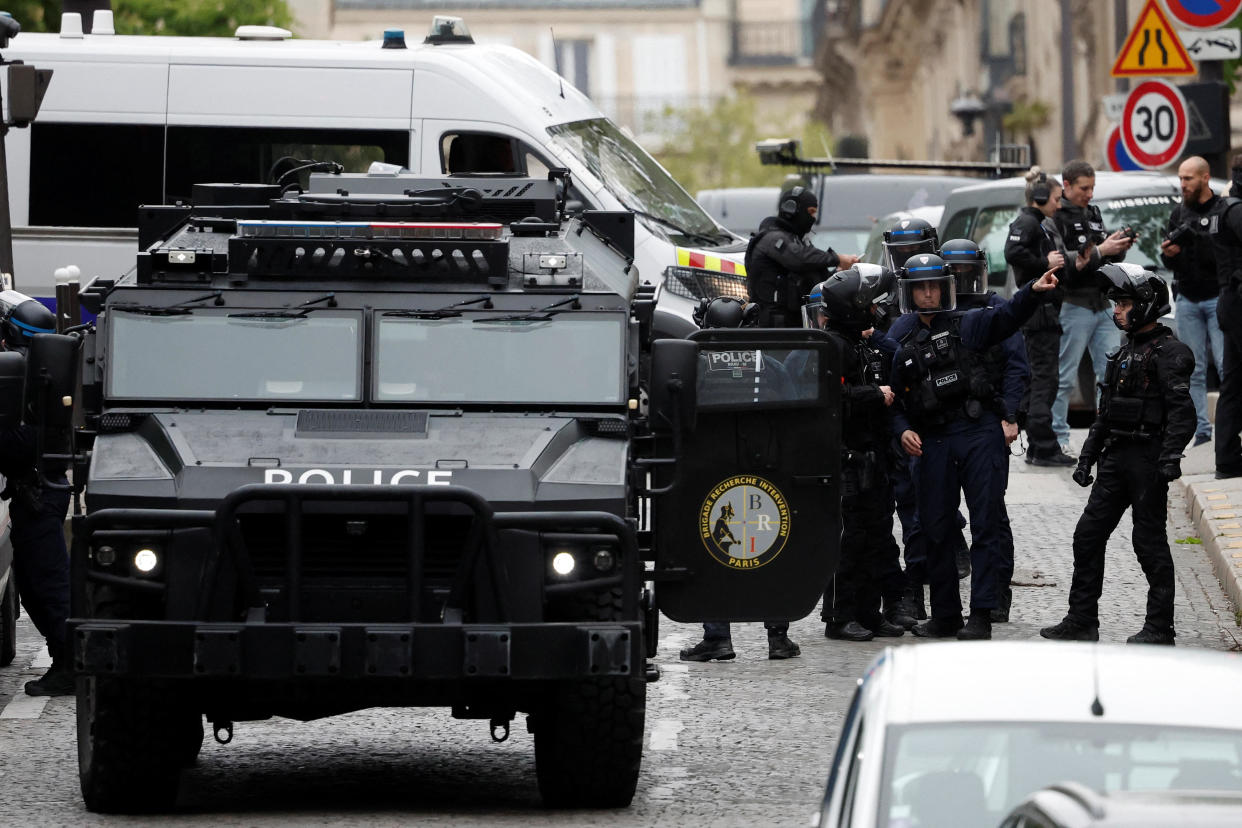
{"x":915,"y":280}
{"x":23,"y":318}
{"x":969,"y":266}
{"x":907,"y":238}
{"x":848,"y":299}
{"x":1147,"y":291}
{"x":726,"y":312}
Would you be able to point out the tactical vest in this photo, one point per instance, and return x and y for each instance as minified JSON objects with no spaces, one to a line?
{"x":864,"y":437}
{"x":944,"y":380}
{"x":1227,"y":246}
{"x":1132,"y":404}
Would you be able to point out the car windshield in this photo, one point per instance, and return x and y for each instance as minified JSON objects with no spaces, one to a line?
{"x":565,"y":359}
{"x":214,"y":354}
{"x":973,"y":774}
{"x":1148,"y":215}
{"x":636,"y":179}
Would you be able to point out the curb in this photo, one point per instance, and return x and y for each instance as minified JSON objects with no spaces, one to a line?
{"x":1216,"y":511}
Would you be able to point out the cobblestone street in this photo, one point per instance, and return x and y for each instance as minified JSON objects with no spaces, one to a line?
{"x":739,"y":743}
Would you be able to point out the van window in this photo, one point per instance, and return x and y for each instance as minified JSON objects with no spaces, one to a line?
{"x":94,"y":175}
{"x":479,"y":152}
{"x":958,"y":227}
{"x":199,"y":155}
{"x":990,"y":232}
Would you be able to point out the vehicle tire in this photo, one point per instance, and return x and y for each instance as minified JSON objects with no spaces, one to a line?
{"x":8,"y":623}
{"x":589,"y":732}
{"x":128,"y":745}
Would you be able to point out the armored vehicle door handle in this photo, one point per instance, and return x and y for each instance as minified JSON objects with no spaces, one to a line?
{"x":813,"y":479}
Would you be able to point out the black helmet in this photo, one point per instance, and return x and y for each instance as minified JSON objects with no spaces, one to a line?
{"x":25,"y":318}
{"x":725,"y":312}
{"x":846,"y":300}
{"x":906,"y":238}
{"x":969,"y":266}
{"x":793,"y":208}
{"x":1147,"y":291}
{"x":920,"y":270}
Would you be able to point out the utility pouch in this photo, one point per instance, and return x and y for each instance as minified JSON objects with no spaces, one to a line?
{"x":1125,"y":412}
{"x":949,"y":384}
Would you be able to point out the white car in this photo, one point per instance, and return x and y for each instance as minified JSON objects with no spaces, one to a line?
{"x":957,"y":734}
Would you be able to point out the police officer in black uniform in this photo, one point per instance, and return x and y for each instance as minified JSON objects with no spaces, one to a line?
{"x":782,"y":264}
{"x":1145,"y":420}
{"x":772,"y":382}
{"x":1227,"y":245}
{"x":1008,"y":377}
{"x":37,"y":509}
{"x":1034,"y":246}
{"x":869,"y":573}
{"x":948,"y":418}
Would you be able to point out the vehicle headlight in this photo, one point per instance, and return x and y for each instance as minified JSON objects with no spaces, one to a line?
{"x":604,"y":559}
{"x":146,"y":560}
{"x":105,"y":556}
{"x":564,"y":563}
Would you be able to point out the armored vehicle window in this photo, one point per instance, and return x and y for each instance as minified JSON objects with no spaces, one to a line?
{"x":94,"y":175}
{"x":731,"y":377}
{"x":208,"y":355}
{"x":561,"y":360}
{"x":246,"y":154}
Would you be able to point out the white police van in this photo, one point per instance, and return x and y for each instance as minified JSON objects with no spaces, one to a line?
{"x":136,"y":120}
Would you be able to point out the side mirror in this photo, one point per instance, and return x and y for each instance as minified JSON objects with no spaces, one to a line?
{"x":12,"y":379}
{"x":51,"y":380}
{"x":674,"y":376}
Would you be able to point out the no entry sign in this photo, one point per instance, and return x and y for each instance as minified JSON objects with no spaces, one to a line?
{"x":1203,"y":14}
{"x":1154,"y":124}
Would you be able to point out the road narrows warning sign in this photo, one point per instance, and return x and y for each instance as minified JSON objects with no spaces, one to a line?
{"x":1153,"y":48}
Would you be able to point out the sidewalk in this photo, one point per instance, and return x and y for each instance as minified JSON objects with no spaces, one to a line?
{"x":1216,"y":511}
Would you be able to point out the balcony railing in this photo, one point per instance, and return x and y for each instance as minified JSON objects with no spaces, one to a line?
{"x":777,"y":43}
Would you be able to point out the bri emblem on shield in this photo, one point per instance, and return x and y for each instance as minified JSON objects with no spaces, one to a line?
{"x":744,"y":522}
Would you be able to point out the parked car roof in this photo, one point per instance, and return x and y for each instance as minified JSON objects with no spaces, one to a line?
{"x":1037,"y":681}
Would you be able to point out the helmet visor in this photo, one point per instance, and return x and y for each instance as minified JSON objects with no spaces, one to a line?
{"x":927,"y":295}
{"x":898,"y":250}
{"x":814,"y":315}
{"x":971,"y":277}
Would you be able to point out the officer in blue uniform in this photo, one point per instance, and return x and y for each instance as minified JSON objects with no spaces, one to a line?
{"x":869,"y":575}
{"x":37,"y":509}
{"x":770,"y":381}
{"x":1009,"y":376}
{"x":948,"y":419}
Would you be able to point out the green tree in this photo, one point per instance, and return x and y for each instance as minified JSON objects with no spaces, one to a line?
{"x":163,"y":17}
{"x":715,"y":146}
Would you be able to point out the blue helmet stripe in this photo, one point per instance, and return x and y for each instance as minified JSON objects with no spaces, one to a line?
{"x":31,"y":328}
{"x":928,"y":267}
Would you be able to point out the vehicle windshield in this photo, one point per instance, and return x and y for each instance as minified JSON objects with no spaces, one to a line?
{"x":842,"y":241}
{"x":565,"y":359}
{"x":636,"y":179}
{"x":1148,"y":215}
{"x":972,"y":774}
{"x":209,"y":354}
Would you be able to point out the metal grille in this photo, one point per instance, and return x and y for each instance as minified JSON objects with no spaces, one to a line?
{"x":329,"y":421}
{"x":697,"y":283}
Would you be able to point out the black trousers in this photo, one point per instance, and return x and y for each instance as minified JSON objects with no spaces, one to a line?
{"x":1043,"y":348}
{"x":869,"y":571}
{"x":41,"y":562}
{"x":1126,"y":478}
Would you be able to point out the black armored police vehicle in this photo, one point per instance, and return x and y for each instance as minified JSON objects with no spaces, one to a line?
{"x":390,"y":441}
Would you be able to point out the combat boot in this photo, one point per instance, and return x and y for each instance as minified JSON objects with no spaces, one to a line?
{"x":912,"y":603}
{"x":57,"y":681}
{"x":779,"y":647}
{"x":962,"y":559}
{"x":1000,"y":615}
{"x":709,"y":649}
{"x":978,"y":626}
{"x":1152,"y":635}
{"x":847,"y":631}
{"x":886,"y":629}
{"x":1070,"y":630}
{"x":939,"y":627}
{"x":898,"y":616}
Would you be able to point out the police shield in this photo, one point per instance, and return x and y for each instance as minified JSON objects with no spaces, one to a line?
{"x":747,"y":520}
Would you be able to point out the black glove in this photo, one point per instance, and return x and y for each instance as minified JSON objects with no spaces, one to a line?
{"x":1082,"y":474}
{"x":1169,"y":470}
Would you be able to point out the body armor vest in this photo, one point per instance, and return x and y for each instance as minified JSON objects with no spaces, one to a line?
{"x":1227,"y":247}
{"x":944,"y":380}
{"x":1133,"y":402}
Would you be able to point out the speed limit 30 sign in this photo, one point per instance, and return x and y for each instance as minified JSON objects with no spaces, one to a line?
{"x":1154,"y":124}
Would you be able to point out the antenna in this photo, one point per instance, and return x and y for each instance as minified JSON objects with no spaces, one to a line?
{"x":1097,"y":709}
{"x":556,"y":58}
